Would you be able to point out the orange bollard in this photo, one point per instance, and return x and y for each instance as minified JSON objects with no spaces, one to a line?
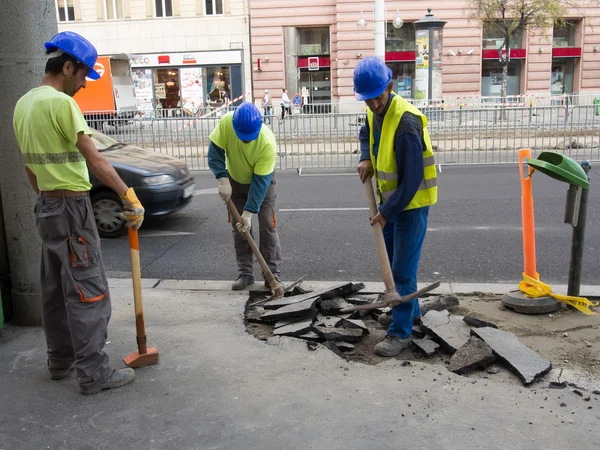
{"x":527,"y":216}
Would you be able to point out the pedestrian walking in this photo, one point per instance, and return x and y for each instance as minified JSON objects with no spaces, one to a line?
{"x":57,"y":150}
{"x":396,"y":149}
{"x":285,"y":104}
{"x":267,"y":107}
{"x":241,"y":154}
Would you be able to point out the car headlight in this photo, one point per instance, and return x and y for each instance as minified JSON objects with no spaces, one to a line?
{"x":158,"y":179}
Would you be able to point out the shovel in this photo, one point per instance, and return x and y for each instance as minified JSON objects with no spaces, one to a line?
{"x":144,"y":356}
{"x":276,"y":289}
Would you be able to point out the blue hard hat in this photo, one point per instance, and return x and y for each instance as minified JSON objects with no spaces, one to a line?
{"x":78,"y":47}
{"x":247,"y":122}
{"x":371,"y":78}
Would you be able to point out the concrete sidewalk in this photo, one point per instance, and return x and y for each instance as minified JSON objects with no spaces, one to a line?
{"x":217,"y":387}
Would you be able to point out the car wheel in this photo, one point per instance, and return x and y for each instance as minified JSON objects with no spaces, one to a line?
{"x":107,"y":208}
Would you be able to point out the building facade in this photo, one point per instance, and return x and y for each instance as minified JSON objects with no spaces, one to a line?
{"x":184,"y":53}
{"x":312,"y":46}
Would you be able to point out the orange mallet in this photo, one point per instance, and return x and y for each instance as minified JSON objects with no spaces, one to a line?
{"x":144,"y":356}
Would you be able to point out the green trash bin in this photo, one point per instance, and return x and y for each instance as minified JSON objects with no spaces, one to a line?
{"x":561,"y":168}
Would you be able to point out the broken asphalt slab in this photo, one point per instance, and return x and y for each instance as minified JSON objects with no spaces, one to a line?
{"x":351,"y":335}
{"x":438,"y":303}
{"x":285,"y":301}
{"x":526,"y":363}
{"x":333,"y":306}
{"x":475,"y":354}
{"x":307,"y":308}
{"x":448,"y":330}
{"x":294,"y":329}
{"x":426,"y":346}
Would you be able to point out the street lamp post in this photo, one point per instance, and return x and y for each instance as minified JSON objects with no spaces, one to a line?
{"x":379,"y":25}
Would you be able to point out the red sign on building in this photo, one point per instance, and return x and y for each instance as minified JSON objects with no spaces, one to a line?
{"x":313,"y":63}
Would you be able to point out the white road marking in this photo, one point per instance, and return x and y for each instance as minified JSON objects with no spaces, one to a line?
{"x":322,"y":209}
{"x":157,"y":233}
{"x":205,"y":191}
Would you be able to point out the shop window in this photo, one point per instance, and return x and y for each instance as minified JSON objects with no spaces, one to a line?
{"x":403,"y":77}
{"x":564,"y":35}
{"x":400,"y":39}
{"x":218,"y":86}
{"x":563,"y":71}
{"x":65,"y":11}
{"x":213,"y":7}
{"x":491,"y":78}
{"x":313,"y":41}
{"x":167,"y":88}
{"x":493,"y":38}
{"x":163,"y":8}
{"x":113,"y":9}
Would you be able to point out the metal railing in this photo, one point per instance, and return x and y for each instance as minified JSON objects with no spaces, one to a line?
{"x":458,"y":136}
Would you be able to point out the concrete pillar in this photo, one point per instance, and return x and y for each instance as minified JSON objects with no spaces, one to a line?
{"x":291,"y":60}
{"x":380,"y":29}
{"x":24,"y":27}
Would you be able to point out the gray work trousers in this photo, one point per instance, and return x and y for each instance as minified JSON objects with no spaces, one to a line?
{"x":269,"y":245}
{"x":75,"y":299}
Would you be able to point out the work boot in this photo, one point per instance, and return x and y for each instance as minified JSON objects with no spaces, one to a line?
{"x":115,"y":379}
{"x":391,"y":346}
{"x":242,"y":282}
{"x":57,"y":373}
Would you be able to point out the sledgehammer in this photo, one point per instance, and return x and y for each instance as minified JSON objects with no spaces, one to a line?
{"x":390,"y":297}
{"x":144,"y":356}
{"x":276,"y":289}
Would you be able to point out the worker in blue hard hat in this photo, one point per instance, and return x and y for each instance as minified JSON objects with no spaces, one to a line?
{"x":58,"y":151}
{"x":242,"y":154}
{"x":396,"y":149}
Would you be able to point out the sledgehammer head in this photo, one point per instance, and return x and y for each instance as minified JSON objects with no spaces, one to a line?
{"x":136,"y":360}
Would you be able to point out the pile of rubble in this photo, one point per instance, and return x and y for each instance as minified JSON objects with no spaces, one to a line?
{"x":316,"y":317}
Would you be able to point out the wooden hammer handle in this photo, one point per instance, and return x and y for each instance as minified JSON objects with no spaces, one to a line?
{"x":136,"y":276}
{"x":384,"y":261}
{"x":263,"y":264}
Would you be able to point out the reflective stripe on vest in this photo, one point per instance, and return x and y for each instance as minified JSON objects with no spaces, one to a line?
{"x":52,"y":158}
{"x":386,"y":170}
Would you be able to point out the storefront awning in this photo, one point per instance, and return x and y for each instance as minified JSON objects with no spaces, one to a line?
{"x":566,"y":52}
{"x":400,"y":56}
{"x":313,"y":62}
{"x":515,"y":53}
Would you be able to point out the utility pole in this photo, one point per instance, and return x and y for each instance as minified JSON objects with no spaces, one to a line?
{"x":380,"y":29}
{"x":24,"y":27}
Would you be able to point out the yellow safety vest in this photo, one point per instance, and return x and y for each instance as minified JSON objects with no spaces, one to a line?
{"x":384,"y":165}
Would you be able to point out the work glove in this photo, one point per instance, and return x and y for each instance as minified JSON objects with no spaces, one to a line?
{"x":224,"y":189}
{"x":133,"y":211}
{"x":246,"y":222}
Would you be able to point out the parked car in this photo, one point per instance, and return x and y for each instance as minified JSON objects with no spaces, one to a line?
{"x":162,"y":183}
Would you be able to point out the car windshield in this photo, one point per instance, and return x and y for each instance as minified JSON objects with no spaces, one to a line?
{"x":103,"y":142}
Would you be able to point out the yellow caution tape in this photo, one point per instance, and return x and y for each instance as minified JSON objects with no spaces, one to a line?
{"x":533,"y":288}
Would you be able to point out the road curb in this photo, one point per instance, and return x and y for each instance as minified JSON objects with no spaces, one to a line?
{"x":445,"y":288}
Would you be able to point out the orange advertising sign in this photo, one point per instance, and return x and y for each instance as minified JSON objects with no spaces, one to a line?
{"x":98,"y":94}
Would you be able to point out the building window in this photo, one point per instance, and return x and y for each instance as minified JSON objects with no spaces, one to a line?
{"x":493,"y":38}
{"x":213,"y":7}
{"x":113,"y":9}
{"x":313,"y":41}
{"x":400,"y":39}
{"x":65,"y":11}
{"x":564,"y":35}
{"x":491,"y":78}
{"x":163,"y":8}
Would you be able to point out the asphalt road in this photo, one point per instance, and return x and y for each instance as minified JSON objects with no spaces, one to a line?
{"x":474,"y":231}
